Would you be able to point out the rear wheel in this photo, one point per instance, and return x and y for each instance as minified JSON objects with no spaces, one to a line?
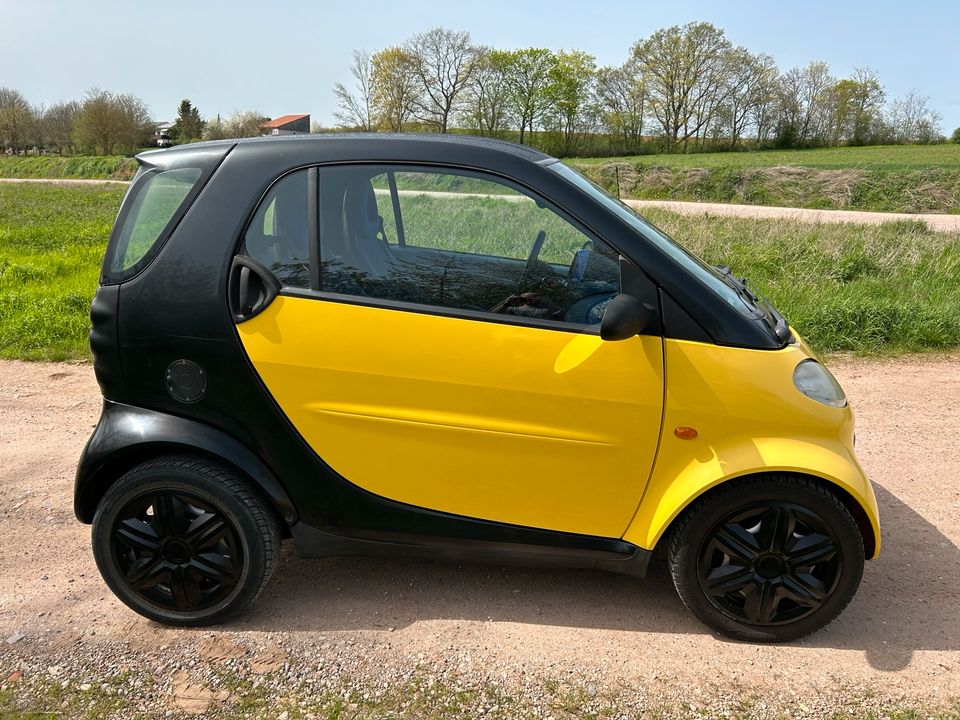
{"x":767,"y":559}
{"x":184,"y":541}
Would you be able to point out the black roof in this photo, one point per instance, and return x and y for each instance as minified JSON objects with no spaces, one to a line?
{"x":378,"y":140}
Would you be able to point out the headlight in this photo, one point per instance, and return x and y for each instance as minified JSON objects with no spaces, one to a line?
{"x":815,"y":381}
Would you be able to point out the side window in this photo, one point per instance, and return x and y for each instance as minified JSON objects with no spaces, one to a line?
{"x":458,"y":240}
{"x":158,"y":197}
{"x":277,"y":235}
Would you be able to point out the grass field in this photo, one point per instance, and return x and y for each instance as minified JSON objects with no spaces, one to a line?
{"x":902,"y":178}
{"x":110,"y":167}
{"x":879,"y":157}
{"x":886,"y":288}
{"x":51,"y":242}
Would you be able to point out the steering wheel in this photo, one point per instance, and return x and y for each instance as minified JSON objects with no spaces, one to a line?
{"x":534,"y":253}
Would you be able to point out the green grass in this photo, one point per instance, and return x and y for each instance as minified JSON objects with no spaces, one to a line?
{"x":109,"y":167}
{"x":51,"y":242}
{"x":422,"y":696}
{"x":879,"y":157}
{"x":898,"y":178}
{"x":867,"y":288}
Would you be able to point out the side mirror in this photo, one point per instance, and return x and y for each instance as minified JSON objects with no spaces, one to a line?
{"x":625,"y":317}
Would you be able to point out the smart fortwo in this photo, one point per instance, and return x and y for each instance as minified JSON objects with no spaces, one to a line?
{"x":455,"y":349}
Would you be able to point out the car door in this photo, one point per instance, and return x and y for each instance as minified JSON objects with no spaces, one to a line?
{"x":441,"y":348}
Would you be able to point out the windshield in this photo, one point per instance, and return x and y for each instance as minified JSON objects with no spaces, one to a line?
{"x":705,"y":273}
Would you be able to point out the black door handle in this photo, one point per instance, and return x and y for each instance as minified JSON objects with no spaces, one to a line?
{"x":251,"y":287}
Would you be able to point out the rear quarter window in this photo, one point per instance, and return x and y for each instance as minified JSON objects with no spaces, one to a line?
{"x":155,"y":201}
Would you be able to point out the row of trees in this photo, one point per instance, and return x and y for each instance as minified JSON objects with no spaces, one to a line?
{"x":683,"y":88}
{"x":103,"y":122}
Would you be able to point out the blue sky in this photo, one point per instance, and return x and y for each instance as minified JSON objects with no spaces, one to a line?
{"x":285,"y":57}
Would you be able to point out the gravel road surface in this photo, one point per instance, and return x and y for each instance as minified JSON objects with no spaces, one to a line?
{"x":374,"y":621}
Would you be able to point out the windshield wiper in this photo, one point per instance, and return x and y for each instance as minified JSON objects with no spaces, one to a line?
{"x":780,"y":326}
{"x":739,"y":284}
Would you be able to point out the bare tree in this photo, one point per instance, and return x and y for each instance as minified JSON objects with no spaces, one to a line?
{"x":622,"y":98}
{"x":764,"y":103}
{"x":805,"y":105}
{"x":110,"y":122}
{"x":59,"y":121}
{"x":395,"y":87}
{"x":16,"y":119}
{"x":684,"y":72}
{"x":912,"y":120}
{"x":443,"y":61}
{"x":356,"y":106}
{"x":242,"y":124}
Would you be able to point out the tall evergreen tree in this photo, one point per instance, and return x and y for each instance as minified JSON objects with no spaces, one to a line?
{"x":188,"y":126}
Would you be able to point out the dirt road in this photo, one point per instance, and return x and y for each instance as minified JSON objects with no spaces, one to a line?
{"x":379,"y":620}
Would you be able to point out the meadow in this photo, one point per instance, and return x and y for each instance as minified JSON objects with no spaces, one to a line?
{"x":865,"y":288}
{"x":894,"y":178}
{"x":873,"y":157}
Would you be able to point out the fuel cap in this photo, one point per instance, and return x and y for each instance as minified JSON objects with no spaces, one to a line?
{"x":186,"y":381}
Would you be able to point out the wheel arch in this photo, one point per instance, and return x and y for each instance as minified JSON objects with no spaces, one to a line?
{"x":127,"y":436}
{"x":666,"y":501}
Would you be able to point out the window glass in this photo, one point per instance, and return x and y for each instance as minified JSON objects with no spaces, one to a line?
{"x":152,"y":208}
{"x":468,"y":243}
{"x":278,"y":235}
{"x":707,"y":274}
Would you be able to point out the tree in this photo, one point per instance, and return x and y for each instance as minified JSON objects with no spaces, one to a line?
{"x":443,"y":62}
{"x":242,"y":124}
{"x":59,"y":121}
{"x":16,"y":120}
{"x":749,"y":93}
{"x":570,"y":91}
{"x":356,"y":106}
{"x":112,"y":122}
{"x":955,"y":137}
{"x":857,"y":103}
{"x":486,"y":101}
{"x":188,"y":125}
{"x":394,"y":87}
{"x":527,"y":78}
{"x":622,"y":98}
{"x":684,"y":72}
{"x":805,"y":105}
{"x":912,"y":120}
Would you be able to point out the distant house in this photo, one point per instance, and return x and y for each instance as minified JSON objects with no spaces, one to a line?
{"x":161,"y":134}
{"x":287,"y":125}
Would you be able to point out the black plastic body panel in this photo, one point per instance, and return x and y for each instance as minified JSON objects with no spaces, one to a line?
{"x":104,"y":345}
{"x":126,"y":435}
{"x":176,"y":308}
{"x":617,"y":556}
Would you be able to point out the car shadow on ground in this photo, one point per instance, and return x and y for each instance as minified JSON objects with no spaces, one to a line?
{"x":907,"y":601}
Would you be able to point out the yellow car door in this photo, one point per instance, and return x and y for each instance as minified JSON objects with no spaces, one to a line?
{"x":442,"y":348}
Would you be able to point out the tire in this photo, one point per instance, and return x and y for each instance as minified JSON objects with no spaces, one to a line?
{"x":184,"y":541}
{"x":769,"y":558}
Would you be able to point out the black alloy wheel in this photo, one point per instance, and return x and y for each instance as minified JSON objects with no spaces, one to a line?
{"x":185,"y":541}
{"x":177,"y":551}
{"x":768,"y":558}
{"x":769,"y":564}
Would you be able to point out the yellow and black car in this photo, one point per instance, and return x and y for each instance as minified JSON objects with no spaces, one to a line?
{"x":450,"y":348}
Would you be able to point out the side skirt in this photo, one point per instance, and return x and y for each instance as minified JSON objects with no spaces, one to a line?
{"x":624,"y":558}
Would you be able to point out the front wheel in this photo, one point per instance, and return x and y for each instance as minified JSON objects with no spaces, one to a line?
{"x":767,"y":559}
{"x":184,"y":541}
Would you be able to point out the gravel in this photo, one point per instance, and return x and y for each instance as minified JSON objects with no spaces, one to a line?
{"x":501,"y":641}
